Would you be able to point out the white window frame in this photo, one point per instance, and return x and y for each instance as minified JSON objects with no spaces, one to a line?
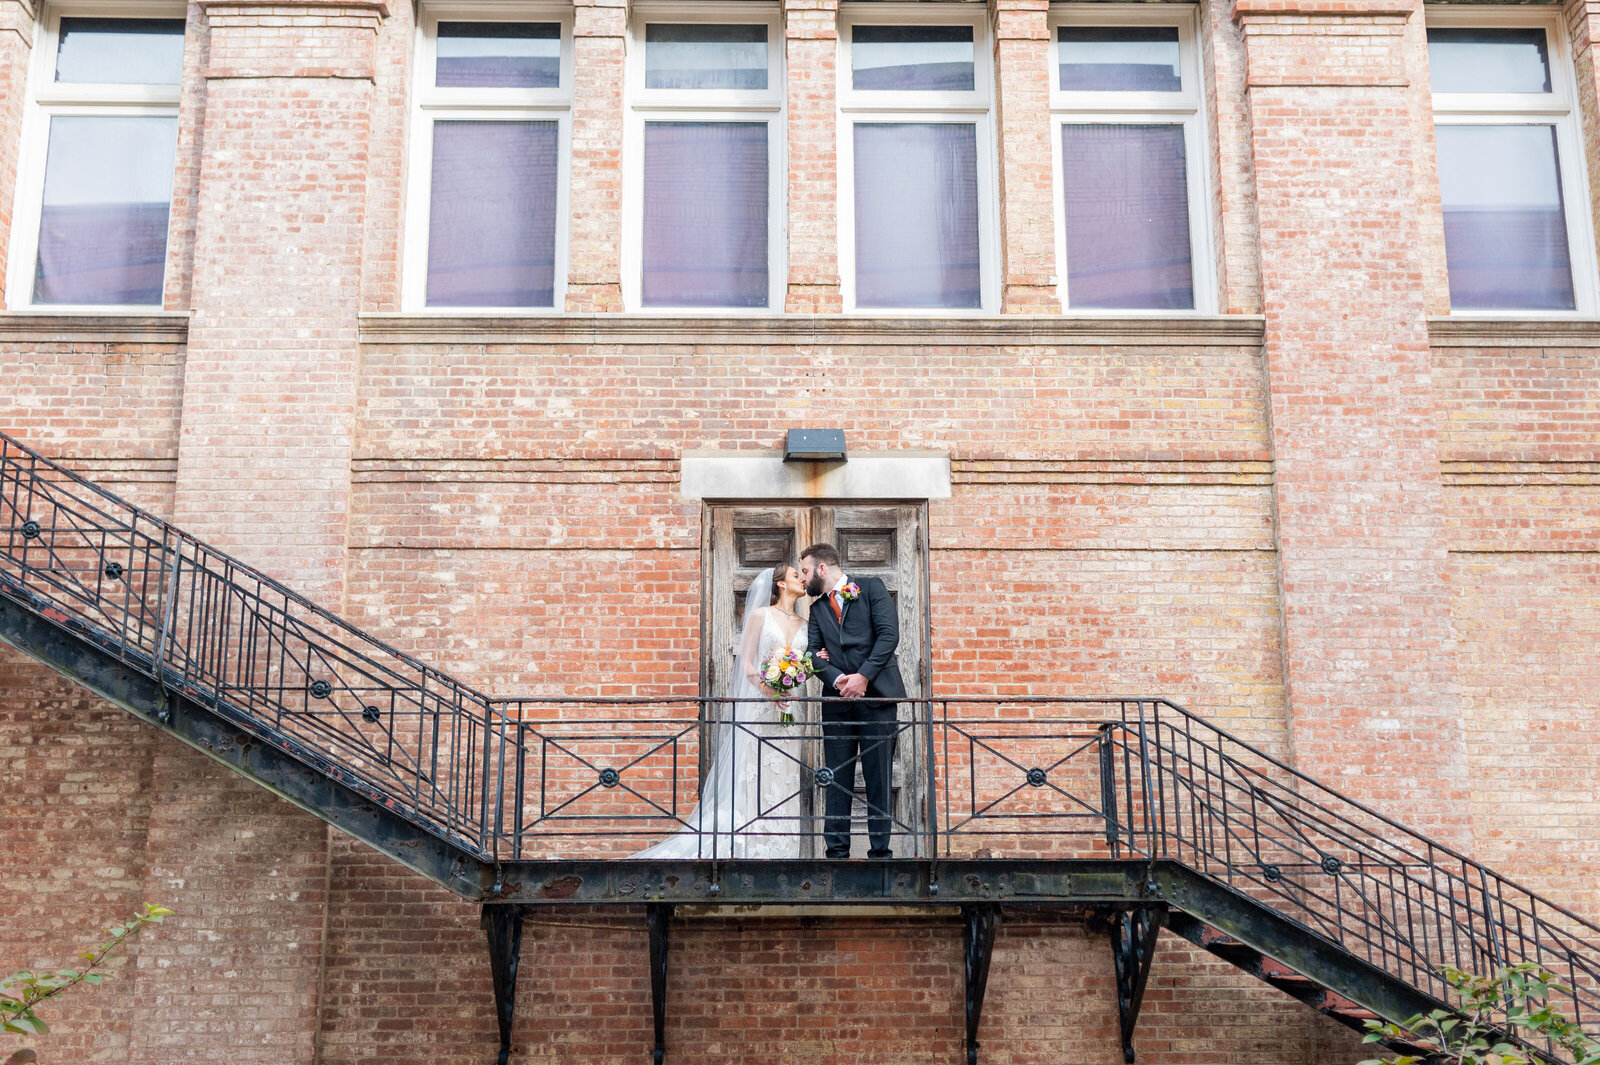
{"x":705,"y":105}
{"x":46,"y":100}
{"x":1555,"y":108}
{"x":431,"y":104}
{"x":1186,"y":108}
{"x":921,"y":107}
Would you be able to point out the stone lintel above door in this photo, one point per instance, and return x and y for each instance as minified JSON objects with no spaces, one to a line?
{"x":866,"y":475}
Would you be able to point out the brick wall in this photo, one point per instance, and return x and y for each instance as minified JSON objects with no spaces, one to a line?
{"x":1354,"y":536}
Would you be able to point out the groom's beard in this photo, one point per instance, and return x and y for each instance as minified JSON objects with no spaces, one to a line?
{"x":814,"y":587}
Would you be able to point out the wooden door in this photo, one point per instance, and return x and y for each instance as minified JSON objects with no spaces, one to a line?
{"x":884,"y":541}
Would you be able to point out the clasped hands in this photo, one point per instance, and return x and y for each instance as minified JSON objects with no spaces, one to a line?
{"x":850,"y":685}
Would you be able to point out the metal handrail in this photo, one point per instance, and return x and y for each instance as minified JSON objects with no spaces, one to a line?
{"x":509,"y":779}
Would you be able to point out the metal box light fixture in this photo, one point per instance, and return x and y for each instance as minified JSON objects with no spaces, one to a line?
{"x":814,"y":445}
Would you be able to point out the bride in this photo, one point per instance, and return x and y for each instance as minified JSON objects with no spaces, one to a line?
{"x":750,"y":799}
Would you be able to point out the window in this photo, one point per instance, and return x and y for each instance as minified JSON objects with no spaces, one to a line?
{"x":916,"y":153}
{"x":705,"y":173}
{"x":95,"y":181}
{"x":488,"y":195}
{"x":1509,"y":154}
{"x":1132,"y":231}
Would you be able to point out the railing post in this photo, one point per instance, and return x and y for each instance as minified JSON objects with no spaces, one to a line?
{"x":1157,"y":839}
{"x":1108,"y":790}
{"x":500,"y":778}
{"x":932,"y":849}
{"x":522,"y":784}
{"x":169,"y":595}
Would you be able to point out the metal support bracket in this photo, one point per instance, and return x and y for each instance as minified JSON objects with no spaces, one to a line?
{"x":503,"y":925}
{"x":658,"y":916}
{"x":980,"y":921}
{"x":1133,"y":948}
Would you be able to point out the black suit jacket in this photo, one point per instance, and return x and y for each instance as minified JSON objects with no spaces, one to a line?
{"x":865,"y":643}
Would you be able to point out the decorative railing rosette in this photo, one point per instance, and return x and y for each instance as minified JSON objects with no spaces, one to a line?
{"x":509,"y":780}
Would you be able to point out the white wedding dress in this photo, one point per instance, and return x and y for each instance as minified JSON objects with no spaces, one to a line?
{"x":750,"y":802}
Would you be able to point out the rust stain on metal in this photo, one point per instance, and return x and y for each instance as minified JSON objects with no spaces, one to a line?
{"x":564,"y":888}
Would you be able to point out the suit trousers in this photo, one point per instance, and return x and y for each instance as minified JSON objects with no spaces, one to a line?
{"x":861,"y":732}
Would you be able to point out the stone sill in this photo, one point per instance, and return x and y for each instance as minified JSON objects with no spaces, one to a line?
{"x":164,"y":327}
{"x":1461,"y":332}
{"x":1228,"y":331}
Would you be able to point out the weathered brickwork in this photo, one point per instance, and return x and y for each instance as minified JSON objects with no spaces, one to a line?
{"x":1022,"y":60}
{"x":594,"y":269}
{"x":1368,"y":645}
{"x":810,"y":56}
{"x":1364,"y":539}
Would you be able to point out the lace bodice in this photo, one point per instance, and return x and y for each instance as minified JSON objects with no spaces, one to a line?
{"x":772,"y":638}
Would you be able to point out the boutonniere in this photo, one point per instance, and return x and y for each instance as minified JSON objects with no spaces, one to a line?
{"x":850,"y":592}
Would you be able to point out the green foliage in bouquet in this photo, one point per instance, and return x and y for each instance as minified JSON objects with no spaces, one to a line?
{"x":22,"y":992}
{"x":1517,"y":996}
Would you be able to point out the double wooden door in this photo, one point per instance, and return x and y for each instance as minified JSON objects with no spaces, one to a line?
{"x":888,"y":541}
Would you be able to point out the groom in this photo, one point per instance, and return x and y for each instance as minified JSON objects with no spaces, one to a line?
{"x":857,"y":625}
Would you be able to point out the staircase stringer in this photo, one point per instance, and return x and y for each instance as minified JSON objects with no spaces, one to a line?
{"x":387,"y":831}
{"x":1196,"y":898}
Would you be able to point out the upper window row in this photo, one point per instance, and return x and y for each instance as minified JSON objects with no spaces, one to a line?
{"x":704,"y":162}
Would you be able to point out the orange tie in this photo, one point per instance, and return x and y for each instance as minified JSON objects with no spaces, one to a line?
{"x":833,"y":601}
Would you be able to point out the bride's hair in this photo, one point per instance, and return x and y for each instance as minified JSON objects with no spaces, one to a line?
{"x":779,"y":572}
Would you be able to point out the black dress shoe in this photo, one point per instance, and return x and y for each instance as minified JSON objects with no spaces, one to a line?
{"x":880,"y":855}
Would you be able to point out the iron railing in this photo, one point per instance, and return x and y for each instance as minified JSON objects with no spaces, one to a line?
{"x":530,"y":779}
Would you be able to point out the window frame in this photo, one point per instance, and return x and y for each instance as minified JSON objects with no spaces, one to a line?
{"x":1186,"y":107}
{"x":431,"y":104}
{"x":642,"y":105}
{"x":46,"y":100}
{"x":921,"y":107}
{"x":1556,"y":108}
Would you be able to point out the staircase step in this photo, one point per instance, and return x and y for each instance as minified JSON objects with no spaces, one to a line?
{"x":1282,"y":975}
{"x":1354,"y":1013}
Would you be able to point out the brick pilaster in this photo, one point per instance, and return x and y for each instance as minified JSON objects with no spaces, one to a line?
{"x":1027,"y":201}
{"x":594,"y":243}
{"x":811,"y":37}
{"x":1583,"y":27}
{"x":268,"y":423}
{"x":16,"y":50}
{"x":1369,"y":653}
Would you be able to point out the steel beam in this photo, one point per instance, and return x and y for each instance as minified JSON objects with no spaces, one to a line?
{"x":908,"y":881}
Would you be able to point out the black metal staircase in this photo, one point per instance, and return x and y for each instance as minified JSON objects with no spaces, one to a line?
{"x":1132,"y":810}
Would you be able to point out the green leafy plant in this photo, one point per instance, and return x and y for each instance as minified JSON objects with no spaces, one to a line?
{"x":23,"y":991}
{"x":1517,"y":996}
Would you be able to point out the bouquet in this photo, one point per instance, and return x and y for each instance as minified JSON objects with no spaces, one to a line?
{"x":785,"y":670}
